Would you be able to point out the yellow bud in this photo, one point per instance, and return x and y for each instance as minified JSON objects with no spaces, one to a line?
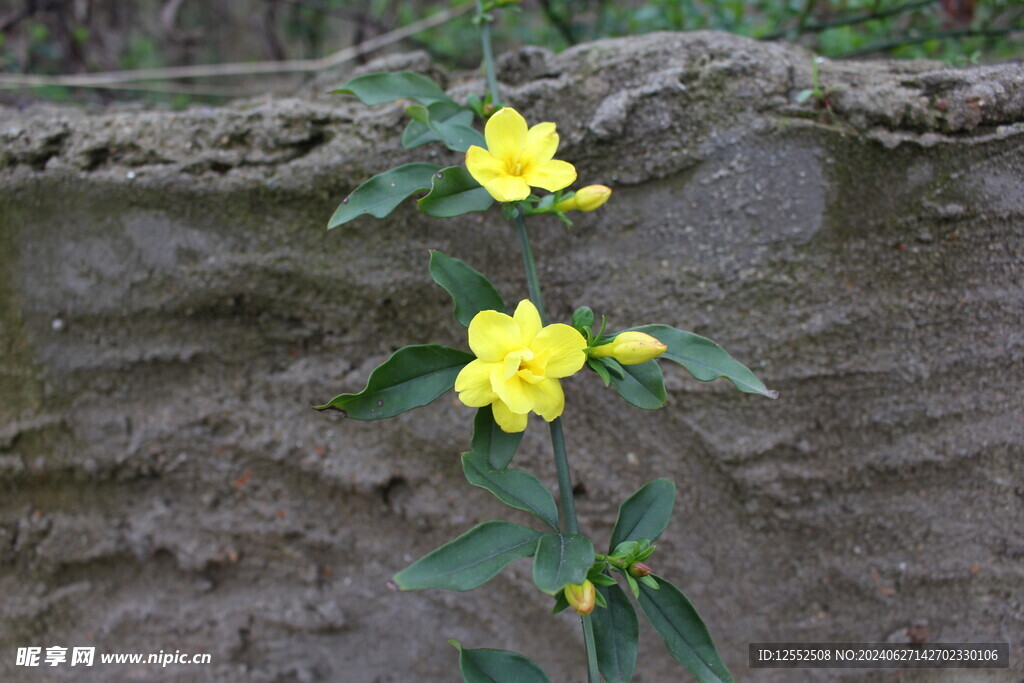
{"x":586,"y":199}
{"x":581,"y":597}
{"x":631,"y":348}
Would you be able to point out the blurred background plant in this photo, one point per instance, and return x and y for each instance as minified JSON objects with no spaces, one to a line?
{"x":51,"y":37}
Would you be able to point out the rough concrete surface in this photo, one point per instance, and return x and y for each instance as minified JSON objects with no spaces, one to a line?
{"x":171,"y":305}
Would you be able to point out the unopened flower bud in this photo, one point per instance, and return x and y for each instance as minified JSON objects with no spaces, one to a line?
{"x":639,"y":569}
{"x":581,"y":597}
{"x":631,"y":348}
{"x":586,"y":199}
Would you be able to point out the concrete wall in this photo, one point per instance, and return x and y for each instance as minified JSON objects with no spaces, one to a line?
{"x":170,"y":307}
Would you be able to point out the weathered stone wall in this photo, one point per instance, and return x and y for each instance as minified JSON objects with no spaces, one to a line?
{"x":171,"y":305}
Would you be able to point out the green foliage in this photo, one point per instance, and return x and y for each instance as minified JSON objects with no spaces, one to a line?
{"x":643,"y":384}
{"x":685,"y":635}
{"x":616,"y":632}
{"x":444,"y":122}
{"x":645,"y":514}
{"x":434,"y":123}
{"x":497,"y":666}
{"x":385,"y":87}
{"x":515,"y":488}
{"x":412,"y":377}
{"x":704,"y":359}
{"x":471,"y":291}
{"x":470,"y":560}
{"x":454,"y":192}
{"x":489,"y":438}
{"x":381,"y":194}
{"x":561,"y":560}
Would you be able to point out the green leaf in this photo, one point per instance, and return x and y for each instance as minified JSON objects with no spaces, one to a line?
{"x":384,"y":87}
{"x":650,"y":582}
{"x":705,"y":360}
{"x":515,"y":488}
{"x":560,"y":603}
{"x":454,"y":192}
{"x":471,"y":291}
{"x":643,"y":385}
{"x":582,"y":317}
{"x":616,"y":631}
{"x":382,"y":193}
{"x":598,"y":366}
{"x":497,"y":666}
{"x":804,"y":95}
{"x":472,"y":559}
{"x":561,"y":560}
{"x":440,"y":122}
{"x":491,"y":439}
{"x":633,"y":586}
{"x":412,"y":377}
{"x":683,"y":631}
{"x":645,"y":514}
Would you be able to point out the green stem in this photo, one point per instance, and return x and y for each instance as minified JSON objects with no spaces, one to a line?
{"x":485,"y":42}
{"x":593,"y":676}
{"x":570,"y":525}
{"x":532,"y":279}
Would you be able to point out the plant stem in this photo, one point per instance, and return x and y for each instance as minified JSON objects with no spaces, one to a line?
{"x":485,"y":42}
{"x":570,"y":525}
{"x":532,"y":279}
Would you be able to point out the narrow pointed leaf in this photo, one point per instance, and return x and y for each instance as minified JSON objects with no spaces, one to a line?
{"x":472,"y":559}
{"x":616,"y":631}
{"x":597,"y":366}
{"x":683,"y":631}
{"x":471,"y":291}
{"x":705,"y":360}
{"x":645,"y":514}
{"x":561,"y":560}
{"x":643,"y":385}
{"x":412,"y":377}
{"x":381,"y":194}
{"x":453,"y":193}
{"x":499,"y":445}
{"x":384,"y":87}
{"x":497,"y":666}
{"x":515,"y":488}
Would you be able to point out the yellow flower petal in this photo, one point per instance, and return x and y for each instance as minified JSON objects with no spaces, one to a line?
{"x":549,"y":400}
{"x":507,"y":188}
{"x":562,"y":350}
{"x":508,"y":421}
{"x":514,"y":392}
{"x":541,"y":144}
{"x":474,"y":384}
{"x":551,"y":175}
{"x":505,"y":133}
{"x":493,"y":335}
{"x":528,"y":319}
{"x":483,"y":165}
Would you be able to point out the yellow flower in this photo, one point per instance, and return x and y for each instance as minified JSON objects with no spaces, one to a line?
{"x":587,"y":199}
{"x":518,"y":365}
{"x":581,"y":597}
{"x":517,"y":158}
{"x":631,"y":348}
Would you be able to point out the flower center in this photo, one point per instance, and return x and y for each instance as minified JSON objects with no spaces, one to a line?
{"x":522,"y":363}
{"x":513,"y":166}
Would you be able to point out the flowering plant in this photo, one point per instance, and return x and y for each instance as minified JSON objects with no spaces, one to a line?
{"x":515,"y":367}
